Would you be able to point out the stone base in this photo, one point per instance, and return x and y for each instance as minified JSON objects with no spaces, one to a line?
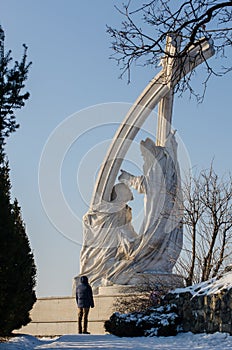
{"x":161,"y":279}
{"x":116,"y":290}
{"x":152,"y":280}
{"x":56,"y":316}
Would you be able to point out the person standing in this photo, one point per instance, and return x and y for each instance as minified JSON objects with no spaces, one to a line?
{"x":84,"y":299}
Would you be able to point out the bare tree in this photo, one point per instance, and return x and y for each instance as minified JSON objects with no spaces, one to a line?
{"x":141,"y":38}
{"x":207,"y":218}
{"x":144,"y":295}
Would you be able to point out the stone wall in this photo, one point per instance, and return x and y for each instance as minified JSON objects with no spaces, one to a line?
{"x":204,"y":313}
{"x":55,"y":316}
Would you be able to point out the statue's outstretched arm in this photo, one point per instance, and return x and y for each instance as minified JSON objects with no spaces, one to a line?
{"x":137,"y":182}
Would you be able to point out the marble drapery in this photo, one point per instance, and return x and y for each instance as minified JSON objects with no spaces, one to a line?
{"x":112,"y":252}
{"x":108,"y":236}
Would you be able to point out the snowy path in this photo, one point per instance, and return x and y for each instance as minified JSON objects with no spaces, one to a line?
{"x":185,"y":341}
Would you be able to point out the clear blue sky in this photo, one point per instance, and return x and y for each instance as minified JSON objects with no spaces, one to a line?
{"x":71,"y":71}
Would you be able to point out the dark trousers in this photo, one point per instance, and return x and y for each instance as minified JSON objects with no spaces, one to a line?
{"x":83,"y":311}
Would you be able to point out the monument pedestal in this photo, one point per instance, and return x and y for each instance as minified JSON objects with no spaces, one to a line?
{"x":116,"y":290}
{"x":151,"y":280}
{"x":159,"y":279}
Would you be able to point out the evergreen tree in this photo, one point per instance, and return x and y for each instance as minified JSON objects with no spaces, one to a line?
{"x":12,"y":96}
{"x":17,"y":267}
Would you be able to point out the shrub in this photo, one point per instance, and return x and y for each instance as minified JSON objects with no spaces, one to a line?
{"x":155,"y":321}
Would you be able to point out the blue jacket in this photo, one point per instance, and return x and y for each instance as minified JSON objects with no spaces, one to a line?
{"x":84,"y":294}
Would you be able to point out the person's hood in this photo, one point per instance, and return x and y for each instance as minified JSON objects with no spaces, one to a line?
{"x":84,"y":279}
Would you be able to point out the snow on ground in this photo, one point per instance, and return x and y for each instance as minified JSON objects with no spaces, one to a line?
{"x":185,"y":341}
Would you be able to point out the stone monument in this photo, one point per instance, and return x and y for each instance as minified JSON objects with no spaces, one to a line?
{"x":113,"y":254}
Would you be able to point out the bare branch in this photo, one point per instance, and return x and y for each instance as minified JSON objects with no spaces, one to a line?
{"x":141,"y":39}
{"x":207,"y":219}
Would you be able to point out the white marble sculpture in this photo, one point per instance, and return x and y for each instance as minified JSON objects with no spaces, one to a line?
{"x":161,"y":233}
{"x":113,"y":253}
{"x":108,"y":236}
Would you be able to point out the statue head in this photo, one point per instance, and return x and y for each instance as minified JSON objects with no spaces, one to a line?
{"x":148,"y":147}
{"x":121,"y":193}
